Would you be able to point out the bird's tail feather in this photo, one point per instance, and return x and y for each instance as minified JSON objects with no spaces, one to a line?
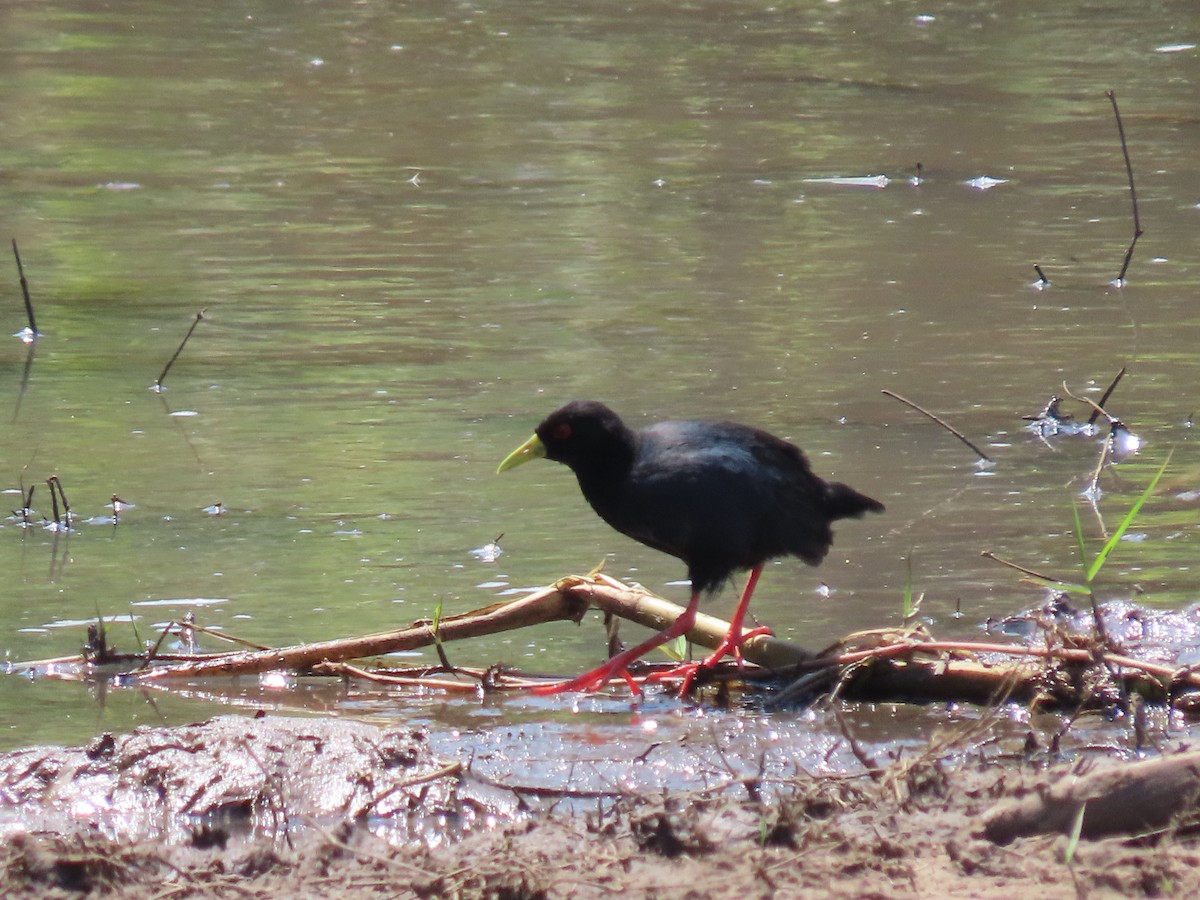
{"x":843,"y":502}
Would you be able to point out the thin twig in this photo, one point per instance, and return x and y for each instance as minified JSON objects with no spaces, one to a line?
{"x":26,"y":505}
{"x":1137,"y":222}
{"x":221,"y":636}
{"x":954,"y":431}
{"x":53,"y":498}
{"x":170,"y":362}
{"x":421,"y":680}
{"x":1104,"y":397}
{"x":1061,"y":654}
{"x":1100,"y":410}
{"x":856,"y":748}
{"x":445,"y":771}
{"x":988,"y":554}
{"x":25,"y":290}
{"x":56,"y":485}
{"x":153,"y":655}
{"x":1105,"y":449}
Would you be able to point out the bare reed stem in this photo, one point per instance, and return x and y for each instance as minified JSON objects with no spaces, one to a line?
{"x":170,"y":362}
{"x":1137,"y":222}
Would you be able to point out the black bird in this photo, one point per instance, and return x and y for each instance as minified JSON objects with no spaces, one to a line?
{"x":721,"y":497}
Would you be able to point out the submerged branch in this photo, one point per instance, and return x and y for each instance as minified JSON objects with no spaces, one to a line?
{"x":950,"y":428}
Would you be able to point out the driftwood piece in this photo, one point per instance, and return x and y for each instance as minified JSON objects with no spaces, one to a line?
{"x":569,"y":598}
{"x":1116,"y":798}
{"x":545,"y":605}
{"x":894,"y":664}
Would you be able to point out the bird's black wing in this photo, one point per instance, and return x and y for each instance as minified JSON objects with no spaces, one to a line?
{"x":721,"y":497}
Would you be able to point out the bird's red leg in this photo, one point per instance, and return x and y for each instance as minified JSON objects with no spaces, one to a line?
{"x":736,"y":637}
{"x":733,"y":638}
{"x":601,"y":675}
{"x":730,"y":644}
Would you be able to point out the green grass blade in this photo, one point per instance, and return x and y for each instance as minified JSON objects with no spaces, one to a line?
{"x":436,"y":623}
{"x":1102,"y":556}
{"x":1073,"y":837}
{"x":1083,"y":560}
{"x":676,"y":649}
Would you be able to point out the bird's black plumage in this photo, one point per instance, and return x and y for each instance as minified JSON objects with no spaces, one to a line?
{"x":720,"y":496}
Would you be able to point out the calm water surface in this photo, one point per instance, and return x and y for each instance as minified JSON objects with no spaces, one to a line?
{"x":418,"y":228}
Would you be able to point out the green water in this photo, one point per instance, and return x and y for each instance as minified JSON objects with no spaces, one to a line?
{"x":418,"y":228}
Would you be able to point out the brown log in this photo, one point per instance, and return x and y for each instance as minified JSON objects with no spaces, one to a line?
{"x":1116,"y":797}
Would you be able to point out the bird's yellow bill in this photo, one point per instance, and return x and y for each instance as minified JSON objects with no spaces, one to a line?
{"x":531,"y":449}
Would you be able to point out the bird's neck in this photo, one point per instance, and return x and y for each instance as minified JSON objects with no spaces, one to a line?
{"x":607,"y":469}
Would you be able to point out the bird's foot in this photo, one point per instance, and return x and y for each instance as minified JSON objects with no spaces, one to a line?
{"x":734,"y":645}
{"x":592,"y":680}
{"x":618,"y":666}
{"x":731,"y":645}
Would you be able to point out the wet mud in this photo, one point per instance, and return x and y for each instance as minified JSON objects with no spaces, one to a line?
{"x":275,"y":806}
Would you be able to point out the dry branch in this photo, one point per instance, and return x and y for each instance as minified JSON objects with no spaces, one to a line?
{"x":566,"y":599}
{"x":954,"y":431}
{"x":170,"y":362}
{"x":874,"y":665}
{"x":545,"y":605}
{"x":635,"y":604}
{"x":1137,"y":221}
{"x":33,"y":331}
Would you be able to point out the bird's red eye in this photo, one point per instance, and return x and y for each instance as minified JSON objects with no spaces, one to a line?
{"x":561,"y":431}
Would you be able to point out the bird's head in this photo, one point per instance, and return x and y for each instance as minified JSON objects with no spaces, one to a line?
{"x":585,"y":435}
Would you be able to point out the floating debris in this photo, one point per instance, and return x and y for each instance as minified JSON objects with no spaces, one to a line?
{"x":1053,"y":421}
{"x":1166,"y":635}
{"x":489,"y":553}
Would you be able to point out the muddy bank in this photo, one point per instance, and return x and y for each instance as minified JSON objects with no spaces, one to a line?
{"x":238,"y":778}
{"x":301,"y":807}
